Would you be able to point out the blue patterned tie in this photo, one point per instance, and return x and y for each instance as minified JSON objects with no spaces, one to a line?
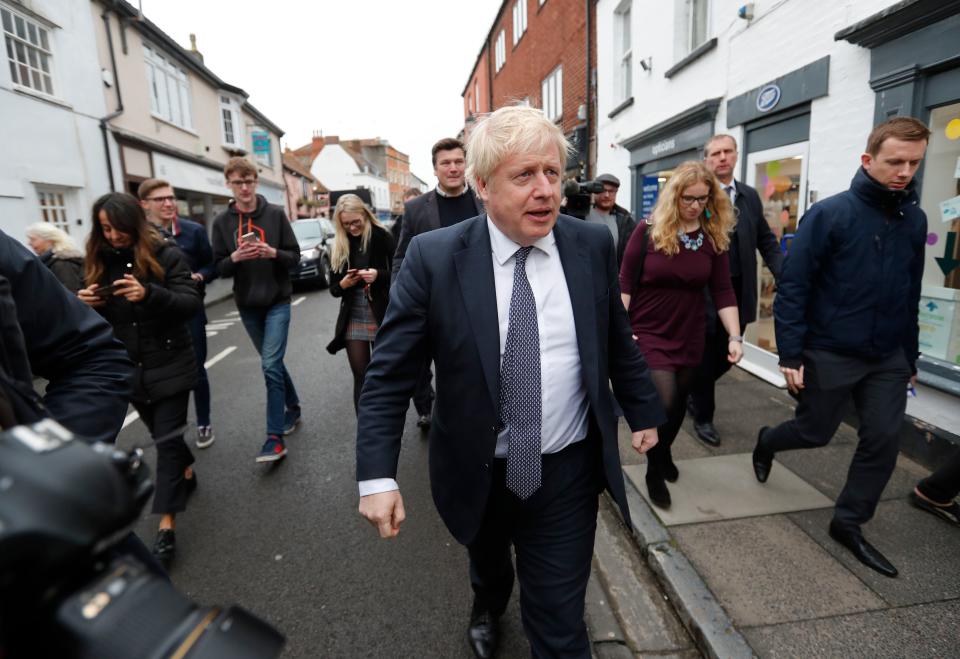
{"x":520,"y":403}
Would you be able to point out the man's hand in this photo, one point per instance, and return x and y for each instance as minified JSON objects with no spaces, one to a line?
{"x":265,"y":251}
{"x":385,"y":511}
{"x":794,"y":377}
{"x":644,"y":440}
{"x":245,"y":252}
{"x":196,"y":276}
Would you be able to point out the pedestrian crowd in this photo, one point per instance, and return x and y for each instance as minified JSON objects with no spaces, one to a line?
{"x":542,"y":329}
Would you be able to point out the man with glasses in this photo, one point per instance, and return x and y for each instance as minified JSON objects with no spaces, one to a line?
{"x":752,"y":233}
{"x":254,"y":243}
{"x":605,"y":211}
{"x":160,"y":205}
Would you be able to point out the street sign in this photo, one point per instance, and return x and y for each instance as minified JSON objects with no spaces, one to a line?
{"x":261,"y":141}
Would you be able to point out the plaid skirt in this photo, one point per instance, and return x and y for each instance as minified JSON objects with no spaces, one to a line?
{"x":362,"y":326}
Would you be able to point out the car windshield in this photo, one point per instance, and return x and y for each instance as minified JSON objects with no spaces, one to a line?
{"x":307,"y":231}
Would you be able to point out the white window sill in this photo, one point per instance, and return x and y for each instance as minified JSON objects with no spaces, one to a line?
{"x":177,"y":126}
{"x":41,"y":96}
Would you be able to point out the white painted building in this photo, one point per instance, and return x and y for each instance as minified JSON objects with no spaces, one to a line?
{"x":341,"y":169}
{"x":799,"y":84}
{"x":51,"y":102}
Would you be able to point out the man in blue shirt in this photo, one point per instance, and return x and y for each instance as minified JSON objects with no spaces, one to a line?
{"x":160,"y":204}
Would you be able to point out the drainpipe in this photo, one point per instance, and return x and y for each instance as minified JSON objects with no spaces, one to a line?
{"x":116,"y":83}
{"x":586,"y":164}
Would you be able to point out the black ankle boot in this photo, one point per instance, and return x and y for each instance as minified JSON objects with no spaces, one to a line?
{"x":657,"y":489}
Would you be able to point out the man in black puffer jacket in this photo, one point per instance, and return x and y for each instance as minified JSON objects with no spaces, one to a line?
{"x":254,"y":243}
{"x":846,"y":323}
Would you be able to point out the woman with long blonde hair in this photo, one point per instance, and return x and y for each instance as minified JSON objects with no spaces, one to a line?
{"x":361,"y":259}
{"x":666,"y":266}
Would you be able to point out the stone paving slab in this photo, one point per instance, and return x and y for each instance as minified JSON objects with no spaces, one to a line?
{"x":826,"y":469}
{"x":766,"y":570}
{"x":724,"y":487}
{"x":920,"y":632}
{"x":923,"y":548}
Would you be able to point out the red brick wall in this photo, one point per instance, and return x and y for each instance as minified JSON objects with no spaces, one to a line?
{"x":555,"y":35}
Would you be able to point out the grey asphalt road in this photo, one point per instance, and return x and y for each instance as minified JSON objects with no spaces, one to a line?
{"x":285,"y":540}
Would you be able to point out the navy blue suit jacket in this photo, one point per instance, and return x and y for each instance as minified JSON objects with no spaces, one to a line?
{"x":443,"y":306}
{"x":193,"y":241}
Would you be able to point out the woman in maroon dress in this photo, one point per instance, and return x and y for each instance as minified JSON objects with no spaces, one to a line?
{"x":686,"y":241}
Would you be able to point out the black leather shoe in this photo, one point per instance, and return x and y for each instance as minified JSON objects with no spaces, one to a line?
{"x":165,"y":546}
{"x":483,"y":634}
{"x":707,"y":433}
{"x":423,"y":423}
{"x":191,"y":484}
{"x":659,"y":494}
{"x":762,"y":458}
{"x":866,"y":553}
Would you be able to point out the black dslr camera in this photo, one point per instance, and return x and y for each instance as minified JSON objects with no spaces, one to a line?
{"x":578,"y":197}
{"x":65,"y":590}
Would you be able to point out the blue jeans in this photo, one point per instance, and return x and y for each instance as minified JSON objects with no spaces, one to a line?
{"x":268,"y":329}
{"x":201,"y":393}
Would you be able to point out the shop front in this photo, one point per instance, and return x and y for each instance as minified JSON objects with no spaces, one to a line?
{"x":655,"y":152}
{"x":775,"y":154}
{"x":915,"y":71}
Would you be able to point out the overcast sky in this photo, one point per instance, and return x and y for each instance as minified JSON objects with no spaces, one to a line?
{"x":353,"y":68}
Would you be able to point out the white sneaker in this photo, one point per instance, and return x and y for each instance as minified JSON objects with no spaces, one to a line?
{"x":205,"y":436}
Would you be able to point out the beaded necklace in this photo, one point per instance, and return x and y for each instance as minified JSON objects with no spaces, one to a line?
{"x":693,"y":244}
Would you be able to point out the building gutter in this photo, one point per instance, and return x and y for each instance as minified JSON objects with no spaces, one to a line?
{"x":119,"y":110}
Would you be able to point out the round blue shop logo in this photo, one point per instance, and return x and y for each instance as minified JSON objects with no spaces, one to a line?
{"x":768,"y":97}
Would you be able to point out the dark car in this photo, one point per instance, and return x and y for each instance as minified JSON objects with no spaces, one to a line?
{"x":316,"y":238}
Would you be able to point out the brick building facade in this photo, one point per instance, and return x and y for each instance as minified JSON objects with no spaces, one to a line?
{"x":536,"y":53}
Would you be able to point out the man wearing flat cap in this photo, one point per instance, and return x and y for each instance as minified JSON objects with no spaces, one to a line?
{"x":605,"y":211}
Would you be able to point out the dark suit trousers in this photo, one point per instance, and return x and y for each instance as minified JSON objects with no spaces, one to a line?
{"x":943,"y":485}
{"x":423,"y":394}
{"x":552,"y":534}
{"x":879,"y":392}
{"x":712,"y":367}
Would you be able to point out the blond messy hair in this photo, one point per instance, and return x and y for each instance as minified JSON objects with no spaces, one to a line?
{"x":350,"y":203}
{"x":508,"y":131}
{"x":665,"y":219}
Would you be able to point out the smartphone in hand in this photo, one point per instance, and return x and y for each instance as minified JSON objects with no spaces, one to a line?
{"x":105,"y":291}
{"x":250,"y":237}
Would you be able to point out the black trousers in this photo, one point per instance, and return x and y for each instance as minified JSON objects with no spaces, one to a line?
{"x":423,"y":394}
{"x":166,"y":420}
{"x":712,"y":367}
{"x":552,"y":534}
{"x":943,"y":485}
{"x":879,"y":393}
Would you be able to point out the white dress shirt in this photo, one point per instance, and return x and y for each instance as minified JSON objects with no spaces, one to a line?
{"x":564,"y":403}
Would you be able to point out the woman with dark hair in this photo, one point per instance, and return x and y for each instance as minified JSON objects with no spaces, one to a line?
{"x":141,"y":284}
{"x":666,"y":265}
{"x":361,"y":259}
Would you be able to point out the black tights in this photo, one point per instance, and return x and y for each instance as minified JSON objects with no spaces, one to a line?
{"x":358,"y":354}
{"x":673,"y":388}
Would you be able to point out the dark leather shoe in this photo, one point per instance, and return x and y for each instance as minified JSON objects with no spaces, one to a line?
{"x":762,"y":458}
{"x":866,"y":553}
{"x":165,"y":546}
{"x":707,"y":433}
{"x":483,"y":634}
{"x":659,"y":494}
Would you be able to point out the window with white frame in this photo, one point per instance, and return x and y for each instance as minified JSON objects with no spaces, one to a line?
{"x":169,"y":89}
{"x":53,"y":206}
{"x":230,"y":122}
{"x":28,"y":51}
{"x":519,"y":20}
{"x":500,"y":54}
{"x":476,"y":95}
{"x":623,"y":56}
{"x":697,"y":14}
{"x":552,"y":94}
